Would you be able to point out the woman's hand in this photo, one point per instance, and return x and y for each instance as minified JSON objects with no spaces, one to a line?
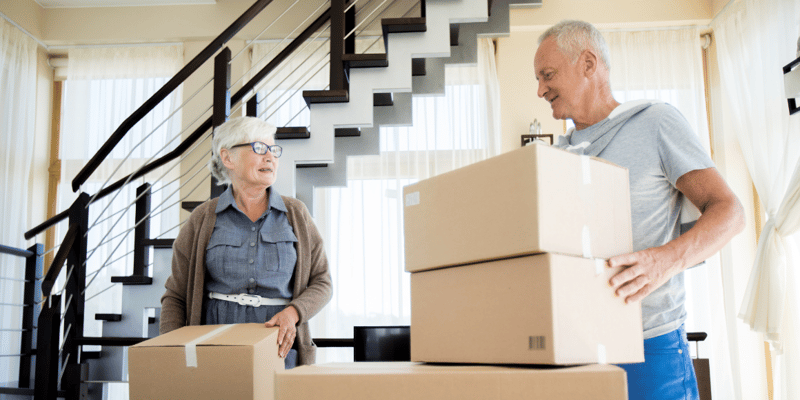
{"x":286,"y":321}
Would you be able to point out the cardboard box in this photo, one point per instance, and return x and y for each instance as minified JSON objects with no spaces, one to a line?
{"x":396,"y":381}
{"x":542,"y":309}
{"x":232,"y":362}
{"x":532,"y":200}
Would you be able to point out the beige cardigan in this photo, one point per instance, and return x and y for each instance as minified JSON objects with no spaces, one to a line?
{"x":182,"y":303}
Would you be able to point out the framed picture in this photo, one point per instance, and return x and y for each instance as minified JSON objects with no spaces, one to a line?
{"x":530,"y":138}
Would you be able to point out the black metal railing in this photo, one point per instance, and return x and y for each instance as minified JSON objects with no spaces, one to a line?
{"x":60,"y":334}
{"x":31,"y":297}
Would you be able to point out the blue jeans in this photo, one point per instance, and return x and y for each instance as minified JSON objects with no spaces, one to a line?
{"x":667,"y":372}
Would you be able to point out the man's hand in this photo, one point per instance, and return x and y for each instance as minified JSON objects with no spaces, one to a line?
{"x":286,"y":321}
{"x":643,"y":272}
{"x":722,"y":217}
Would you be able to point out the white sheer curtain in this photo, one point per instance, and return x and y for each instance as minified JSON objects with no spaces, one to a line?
{"x":104,"y":86}
{"x":755,"y":39}
{"x":17,"y":111}
{"x":362,"y":224}
{"x":667,"y":65}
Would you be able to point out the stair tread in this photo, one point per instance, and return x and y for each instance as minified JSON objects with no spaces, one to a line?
{"x":326,"y":96}
{"x":132,"y":280}
{"x":370,"y":60}
{"x":408,"y":24}
{"x":292,"y":132}
{"x":108,"y":317}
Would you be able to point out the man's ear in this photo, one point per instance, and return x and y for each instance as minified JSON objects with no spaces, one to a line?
{"x":589,"y":62}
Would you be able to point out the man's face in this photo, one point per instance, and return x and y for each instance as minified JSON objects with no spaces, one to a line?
{"x":560,"y":81}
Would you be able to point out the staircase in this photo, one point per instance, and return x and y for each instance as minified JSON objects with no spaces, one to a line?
{"x":344,"y":122}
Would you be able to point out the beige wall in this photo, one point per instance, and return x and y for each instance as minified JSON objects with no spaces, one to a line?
{"x":26,"y":13}
{"x":612,"y":11}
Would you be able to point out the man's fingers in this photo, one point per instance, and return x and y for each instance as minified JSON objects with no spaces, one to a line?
{"x":622,"y":260}
{"x":623,"y":277}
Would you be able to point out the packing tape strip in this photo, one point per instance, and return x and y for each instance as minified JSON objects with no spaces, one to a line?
{"x":191,"y":348}
{"x":599,"y":263}
{"x":586,"y":241}
{"x":587,"y":172}
{"x":601,"y":354}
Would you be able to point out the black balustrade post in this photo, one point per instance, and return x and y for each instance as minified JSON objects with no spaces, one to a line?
{"x":141,"y":253}
{"x":222,"y":84}
{"x":222,"y":101}
{"x":252,"y":106}
{"x":337,"y":76}
{"x":75,"y":286}
{"x":31,"y":297}
{"x":350,"y":25}
{"x":46,"y":387}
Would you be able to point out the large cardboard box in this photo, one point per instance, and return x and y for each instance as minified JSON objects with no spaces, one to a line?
{"x":542,"y":309}
{"x":535,"y":199}
{"x":206,"y":362}
{"x":403,"y":381}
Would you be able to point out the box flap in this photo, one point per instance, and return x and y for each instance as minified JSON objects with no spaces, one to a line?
{"x":236,"y":335}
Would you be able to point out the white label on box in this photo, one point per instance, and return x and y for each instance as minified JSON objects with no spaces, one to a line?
{"x":412,"y":199}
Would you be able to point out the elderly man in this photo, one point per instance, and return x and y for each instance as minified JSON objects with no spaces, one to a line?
{"x":666,"y":162}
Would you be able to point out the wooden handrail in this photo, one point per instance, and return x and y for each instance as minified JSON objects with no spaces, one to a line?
{"x":165,"y":91}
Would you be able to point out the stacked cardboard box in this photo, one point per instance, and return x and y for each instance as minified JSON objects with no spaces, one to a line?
{"x":506,"y":261}
{"x":206,"y":362}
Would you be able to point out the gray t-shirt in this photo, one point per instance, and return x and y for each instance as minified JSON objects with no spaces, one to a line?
{"x":657,"y":146}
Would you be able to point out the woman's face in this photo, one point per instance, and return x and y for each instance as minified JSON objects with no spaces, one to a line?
{"x":248,"y":169}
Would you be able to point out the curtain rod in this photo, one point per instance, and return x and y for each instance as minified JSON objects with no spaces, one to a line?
{"x":25,"y":31}
{"x":92,"y":46}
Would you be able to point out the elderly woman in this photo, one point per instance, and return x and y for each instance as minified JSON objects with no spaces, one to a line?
{"x":250,"y":255}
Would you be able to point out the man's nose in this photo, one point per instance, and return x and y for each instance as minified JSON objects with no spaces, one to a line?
{"x":541,"y":90}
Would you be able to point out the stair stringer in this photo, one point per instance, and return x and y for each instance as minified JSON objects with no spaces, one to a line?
{"x":368,"y":143}
{"x":357,"y":113}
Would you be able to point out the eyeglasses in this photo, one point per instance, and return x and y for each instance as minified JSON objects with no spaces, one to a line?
{"x":262,"y":148}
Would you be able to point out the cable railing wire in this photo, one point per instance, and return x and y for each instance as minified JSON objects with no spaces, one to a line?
{"x":365,"y":19}
{"x":179,"y":108}
{"x":250,"y":42}
{"x":283,"y":65}
{"x":253,"y":66}
{"x":138,"y":197}
{"x":301,"y":87}
{"x":292,"y":72}
{"x":101,"y":292}
{"x":130,"y":177}
{"x":186,"y":154}
{"x":122,"y":241}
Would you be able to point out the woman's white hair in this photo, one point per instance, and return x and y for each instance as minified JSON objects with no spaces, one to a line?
{"x":232,"y":132}
{"x":573,"y":37}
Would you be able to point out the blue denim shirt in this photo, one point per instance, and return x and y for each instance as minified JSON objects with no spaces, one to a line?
{"x":249,"y":257}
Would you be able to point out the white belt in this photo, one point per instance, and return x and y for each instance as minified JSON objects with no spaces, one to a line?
{"x":245,"y":299}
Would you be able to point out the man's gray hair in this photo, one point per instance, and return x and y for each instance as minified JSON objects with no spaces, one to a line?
{"x":573,"y":37}
{"x":232,"y":132}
